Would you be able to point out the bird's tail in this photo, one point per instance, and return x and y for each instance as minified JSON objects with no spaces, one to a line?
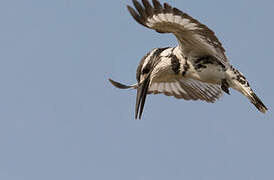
{"x":237,"y":81}
{"x":254,"y":99}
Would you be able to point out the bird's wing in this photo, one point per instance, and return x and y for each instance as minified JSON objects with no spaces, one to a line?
{"x":187,"y":89}
{"x":195,"y":39}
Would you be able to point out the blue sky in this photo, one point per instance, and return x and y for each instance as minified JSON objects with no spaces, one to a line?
{"x":61,"y":119}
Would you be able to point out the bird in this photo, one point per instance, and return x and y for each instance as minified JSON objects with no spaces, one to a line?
{"x":196,"y":69}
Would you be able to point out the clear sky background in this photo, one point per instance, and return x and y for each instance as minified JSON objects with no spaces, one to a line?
{"x":61,"y":119}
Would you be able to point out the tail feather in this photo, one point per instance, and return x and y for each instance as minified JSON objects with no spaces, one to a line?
{"x":254,"y":99}
{"x":237,"y":81}
{"x":257,"y":102}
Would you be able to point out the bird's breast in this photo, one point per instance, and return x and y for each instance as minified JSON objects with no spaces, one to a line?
{"x":210,"y":73}
{"x":166,"y":70}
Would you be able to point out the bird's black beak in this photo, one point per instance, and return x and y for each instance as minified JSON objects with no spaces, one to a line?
{"x":141,"y":97}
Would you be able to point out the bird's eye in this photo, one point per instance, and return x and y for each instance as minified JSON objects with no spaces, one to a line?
{"x":145,"y":70}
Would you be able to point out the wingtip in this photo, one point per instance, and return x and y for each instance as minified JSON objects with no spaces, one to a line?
{"x":119,"y":85}
{"x":129,"y":7}
{"x":136,"y":16}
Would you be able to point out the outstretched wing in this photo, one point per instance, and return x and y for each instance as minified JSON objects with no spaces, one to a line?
{"x":195,"y":39}
{"x":187,"y":89}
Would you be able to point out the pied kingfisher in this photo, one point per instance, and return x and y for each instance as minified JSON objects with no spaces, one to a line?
{"x":196,"y":69}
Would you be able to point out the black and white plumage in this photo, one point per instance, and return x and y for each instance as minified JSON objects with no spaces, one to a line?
{"x":197,"y":69}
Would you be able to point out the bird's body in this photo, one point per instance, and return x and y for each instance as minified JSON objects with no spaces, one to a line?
{"x":196,"y":69}
{"x":171,"y":65}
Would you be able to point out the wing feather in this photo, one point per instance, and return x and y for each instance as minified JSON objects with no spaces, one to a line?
{"x":187,"y":89}
{"x":195,"y":39}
